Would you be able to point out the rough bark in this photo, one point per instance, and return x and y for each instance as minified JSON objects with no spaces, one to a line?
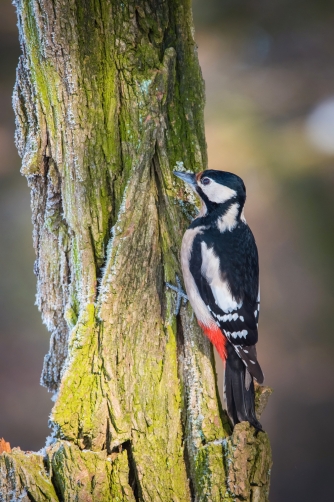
{"x":109,"y":99}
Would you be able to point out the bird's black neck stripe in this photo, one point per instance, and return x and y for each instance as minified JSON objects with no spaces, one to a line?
{"x":214,"y":211}
{"x":211,"y":206}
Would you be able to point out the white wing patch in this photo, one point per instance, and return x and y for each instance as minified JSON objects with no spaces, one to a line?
{"x":220,"y":288}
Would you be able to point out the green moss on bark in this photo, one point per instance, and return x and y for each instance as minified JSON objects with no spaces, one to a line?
{"x":89,"y":476}
{"x":23,"y":477}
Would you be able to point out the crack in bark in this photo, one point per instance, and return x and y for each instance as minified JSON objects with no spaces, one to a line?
{"x":156,"y":176}
{"x":55,"y":483}
{"x":180,"y":352}
{"x":133,"y":475}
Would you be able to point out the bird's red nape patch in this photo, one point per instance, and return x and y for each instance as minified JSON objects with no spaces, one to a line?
{"x":217,"y":337}
{"x":198,"y":176}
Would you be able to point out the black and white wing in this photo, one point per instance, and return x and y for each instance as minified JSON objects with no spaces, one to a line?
{"x":237,"y":318}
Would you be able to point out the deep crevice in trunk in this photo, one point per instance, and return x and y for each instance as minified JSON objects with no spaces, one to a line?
{"x":133,"y":476}
{"x":56,"y":487}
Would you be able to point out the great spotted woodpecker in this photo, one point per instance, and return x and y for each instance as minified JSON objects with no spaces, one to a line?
{"x":220,"y":268}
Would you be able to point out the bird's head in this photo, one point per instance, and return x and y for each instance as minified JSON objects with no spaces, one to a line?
{"x":216,"y":188}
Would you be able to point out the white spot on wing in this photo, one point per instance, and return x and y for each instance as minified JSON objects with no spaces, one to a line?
{"x":240,"y":334}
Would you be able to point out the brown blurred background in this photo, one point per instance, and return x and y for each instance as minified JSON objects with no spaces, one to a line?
{"x":269,"y":72}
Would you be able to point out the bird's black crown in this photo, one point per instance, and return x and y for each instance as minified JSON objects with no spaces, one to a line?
{"x":224,"y":178}
{"x":220,"y":188}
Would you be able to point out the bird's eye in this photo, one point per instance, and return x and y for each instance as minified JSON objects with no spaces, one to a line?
{"x":205,"y":181}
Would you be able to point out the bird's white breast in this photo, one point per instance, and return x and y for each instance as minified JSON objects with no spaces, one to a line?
{"x":201,"y":311}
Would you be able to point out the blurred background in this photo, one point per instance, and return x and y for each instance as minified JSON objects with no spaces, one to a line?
{"x":269,"y":73}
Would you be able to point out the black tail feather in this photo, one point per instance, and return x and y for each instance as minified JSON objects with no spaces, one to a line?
{"x":239,"y":391}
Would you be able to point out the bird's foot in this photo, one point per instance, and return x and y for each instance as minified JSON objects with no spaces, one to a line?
{"x":180,"y":294}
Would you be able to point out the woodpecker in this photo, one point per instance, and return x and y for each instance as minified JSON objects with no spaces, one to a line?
{"x":220,"y":269}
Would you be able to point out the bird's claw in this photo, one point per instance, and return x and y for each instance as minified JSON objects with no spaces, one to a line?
{"x":180,"y":294}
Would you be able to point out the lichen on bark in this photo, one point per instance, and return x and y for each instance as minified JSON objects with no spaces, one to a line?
{"x":109,"y":99}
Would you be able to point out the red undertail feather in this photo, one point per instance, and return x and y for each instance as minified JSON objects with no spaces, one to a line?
{"x":217,"y":337}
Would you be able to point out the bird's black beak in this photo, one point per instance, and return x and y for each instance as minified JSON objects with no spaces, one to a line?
{"x":189,"y":178}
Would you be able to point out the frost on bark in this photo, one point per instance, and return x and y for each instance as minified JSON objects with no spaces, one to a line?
{"x":109,"y":99}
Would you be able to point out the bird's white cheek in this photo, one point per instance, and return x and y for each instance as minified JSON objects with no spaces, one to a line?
{"x":218,"y":193}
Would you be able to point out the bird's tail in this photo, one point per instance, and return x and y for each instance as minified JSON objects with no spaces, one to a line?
{"x":239,"y":391}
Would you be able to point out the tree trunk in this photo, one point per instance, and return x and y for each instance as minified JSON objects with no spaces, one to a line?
{"x":109,"y":99}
